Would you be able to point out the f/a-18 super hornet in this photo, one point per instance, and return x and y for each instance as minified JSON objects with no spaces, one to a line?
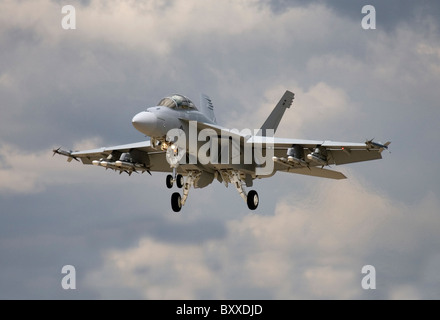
{"x":187,"y":143}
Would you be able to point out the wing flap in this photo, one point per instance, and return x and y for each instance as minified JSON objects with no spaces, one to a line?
{"x":339,"y":156}
{"x":317,"y":172}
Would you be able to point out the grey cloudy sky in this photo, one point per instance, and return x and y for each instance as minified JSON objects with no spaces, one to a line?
{"x":308,"y":239}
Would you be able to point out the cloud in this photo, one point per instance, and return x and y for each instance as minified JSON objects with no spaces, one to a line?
{"x":309,"y":238}
{"x":313,"y":108}
{"x":405,"y":292}
{"x":23,"y":171}
{"x":390,"y":14}
{"x":310,"y":248}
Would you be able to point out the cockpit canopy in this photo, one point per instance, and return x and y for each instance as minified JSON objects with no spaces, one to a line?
{"x":177,"y":101}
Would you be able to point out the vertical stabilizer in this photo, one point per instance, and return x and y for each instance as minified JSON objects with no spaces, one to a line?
{"x":274,"y":118}
{"x":207,"y":108}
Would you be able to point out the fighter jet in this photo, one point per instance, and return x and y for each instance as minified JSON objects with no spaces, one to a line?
{"x":187,"y":143}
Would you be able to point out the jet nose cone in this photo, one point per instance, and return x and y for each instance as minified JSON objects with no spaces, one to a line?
{"x":145,"y":122}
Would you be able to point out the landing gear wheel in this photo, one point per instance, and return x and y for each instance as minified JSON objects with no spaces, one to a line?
{"x":169,"y":181}
{"x":252,"y":200}
{"x":176,"y":202}
{"x":179,"y":181}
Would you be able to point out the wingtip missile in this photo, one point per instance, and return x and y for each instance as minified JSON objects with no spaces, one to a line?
{"x":67,"y":154}
{"x":375,"y":145}
{"x":55,"y":151}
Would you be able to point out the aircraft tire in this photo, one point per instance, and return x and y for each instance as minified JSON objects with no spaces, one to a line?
{"x":179,"y":181}
{"x":176,"y":203}
{"x":253,"y":200}
{"x":169,"y":181}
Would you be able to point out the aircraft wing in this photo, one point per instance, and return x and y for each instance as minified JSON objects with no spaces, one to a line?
{"x":306,"y":161}
{"x":87,"y":156}
{"x":133,"y":157}
{"x":331,"y":152}
{"x":336,"y":152}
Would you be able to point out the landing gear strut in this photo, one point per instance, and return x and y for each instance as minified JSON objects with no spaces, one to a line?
{"x":250,"y":198}
{"x":178,"y":201}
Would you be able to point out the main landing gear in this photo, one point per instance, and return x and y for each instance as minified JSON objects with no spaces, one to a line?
{"x":252,"y":200}
{"x":176,"y":202}
{"x":233,"y":176}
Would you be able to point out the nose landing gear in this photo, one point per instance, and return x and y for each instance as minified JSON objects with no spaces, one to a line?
{"x":178,"y":179}
{"x":178,"y":201}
